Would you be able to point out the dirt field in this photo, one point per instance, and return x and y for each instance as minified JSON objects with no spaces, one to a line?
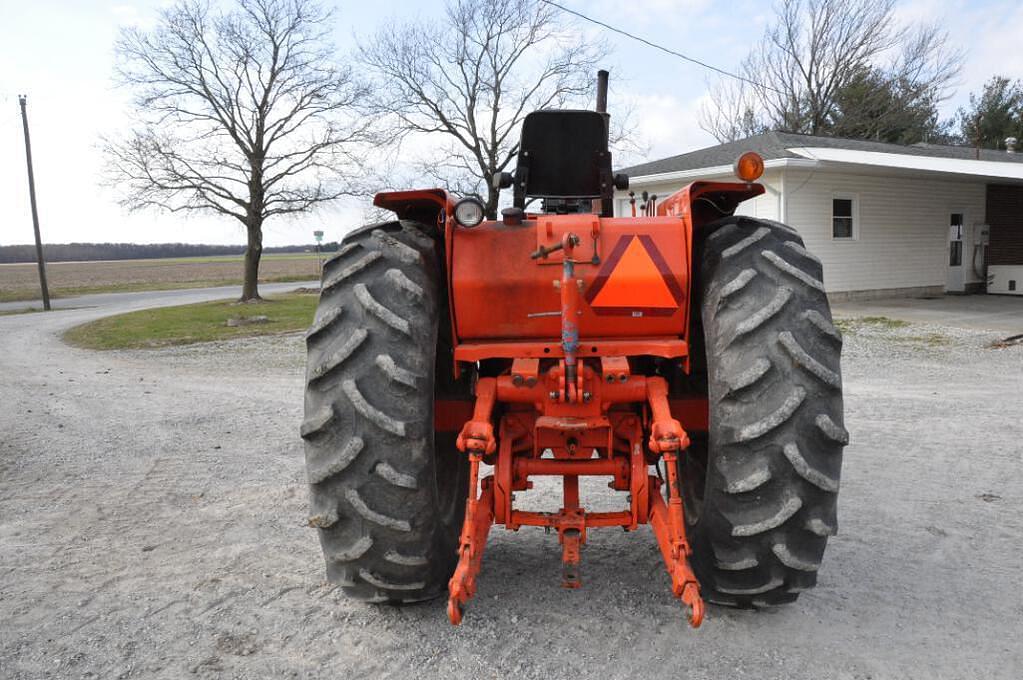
{"x":152,"y":510}
{"x":21,"y":281}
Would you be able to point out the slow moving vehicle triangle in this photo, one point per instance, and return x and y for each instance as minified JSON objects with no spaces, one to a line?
{"x":631,"y":278}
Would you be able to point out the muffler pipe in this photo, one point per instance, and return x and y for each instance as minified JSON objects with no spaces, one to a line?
{"x":602,"y":76}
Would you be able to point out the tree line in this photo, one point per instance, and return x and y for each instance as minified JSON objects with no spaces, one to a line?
{"x":246,"y":109}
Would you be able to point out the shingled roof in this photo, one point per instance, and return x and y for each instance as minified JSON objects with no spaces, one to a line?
{"x":774,"y":144}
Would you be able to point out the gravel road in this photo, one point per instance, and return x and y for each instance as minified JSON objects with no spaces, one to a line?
{"x":152,"y":525}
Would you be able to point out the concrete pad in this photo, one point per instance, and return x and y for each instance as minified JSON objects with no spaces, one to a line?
{"x":1002,"y":313}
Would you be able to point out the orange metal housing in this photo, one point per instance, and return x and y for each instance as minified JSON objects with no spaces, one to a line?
{"x":505,"y":304}
{"x":499,"y":293}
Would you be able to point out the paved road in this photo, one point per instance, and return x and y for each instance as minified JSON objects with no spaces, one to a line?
{"x":118,"y":302}
{"x":153,"y":503}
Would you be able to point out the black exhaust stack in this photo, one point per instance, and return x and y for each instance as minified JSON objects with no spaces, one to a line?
{"x":602,"y":91}
{"x":619,"y":181}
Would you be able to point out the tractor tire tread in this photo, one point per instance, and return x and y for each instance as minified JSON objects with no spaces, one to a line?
{"x":776,"y":432}
{"x":388,"y":532}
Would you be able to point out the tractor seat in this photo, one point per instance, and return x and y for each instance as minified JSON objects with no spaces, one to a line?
{"x":562,"y":155}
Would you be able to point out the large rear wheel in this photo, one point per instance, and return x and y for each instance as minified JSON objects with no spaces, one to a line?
{"x":762,"y":490}
{"x":386,"y":494}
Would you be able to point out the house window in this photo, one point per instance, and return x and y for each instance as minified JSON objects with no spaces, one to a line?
{"x":842,"y":217}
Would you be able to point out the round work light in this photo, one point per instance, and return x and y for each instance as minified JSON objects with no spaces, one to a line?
{"x":469,"y":212}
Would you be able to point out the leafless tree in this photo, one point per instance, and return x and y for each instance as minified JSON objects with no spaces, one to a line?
{"x":816,"y":49}
{"x":473,"y":77}
{"x":243,"y":113}
{"x":731,"y":112}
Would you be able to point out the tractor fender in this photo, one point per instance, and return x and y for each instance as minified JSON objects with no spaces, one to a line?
{"x":704,"y":202}
{"x":427,"y":206}
{"x":432,"y":208}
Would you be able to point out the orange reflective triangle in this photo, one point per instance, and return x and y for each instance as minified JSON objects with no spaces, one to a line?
{"x":635,"y":281}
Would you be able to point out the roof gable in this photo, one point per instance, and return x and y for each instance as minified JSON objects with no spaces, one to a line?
{"x":772,"y":145}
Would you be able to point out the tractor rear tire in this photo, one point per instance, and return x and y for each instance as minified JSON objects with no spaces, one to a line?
{"x":386,"y":494}
{"x":763,"y":510}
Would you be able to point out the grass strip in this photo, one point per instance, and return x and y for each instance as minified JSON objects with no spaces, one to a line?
{"x":202,"y":322}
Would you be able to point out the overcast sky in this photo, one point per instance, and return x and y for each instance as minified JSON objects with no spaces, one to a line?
{"x":60,"y":55}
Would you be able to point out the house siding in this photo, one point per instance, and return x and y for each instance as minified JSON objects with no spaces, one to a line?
{"x":901,"y":237}
{"x":901,"y":244}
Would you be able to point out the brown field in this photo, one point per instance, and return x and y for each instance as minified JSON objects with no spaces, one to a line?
{"x":20,"y":281}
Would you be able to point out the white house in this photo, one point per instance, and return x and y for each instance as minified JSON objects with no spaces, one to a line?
{"x":885,"y":219}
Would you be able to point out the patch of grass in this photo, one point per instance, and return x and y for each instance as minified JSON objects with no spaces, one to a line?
{"x":929,"y":339}
{"x":22,"y":295}
{"x":878,"y":326}
{"x":26,"y":310}
{"x":883,"y":321}
{"x":187,"y":324}
{"x":851,"y":324}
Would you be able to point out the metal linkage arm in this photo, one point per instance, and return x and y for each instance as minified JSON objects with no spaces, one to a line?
{"x":668,"y":519}
{"x":666,"y":433}
{"x":476,"y":438}
{"x":479,"y":517}
{"x":669,"y":527}
{"x":477,"y":435}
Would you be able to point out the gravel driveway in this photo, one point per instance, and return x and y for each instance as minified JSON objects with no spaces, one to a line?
{"x":152,"y":525}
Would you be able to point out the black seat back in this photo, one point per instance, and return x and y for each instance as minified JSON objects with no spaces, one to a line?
{"x":563,"y":155}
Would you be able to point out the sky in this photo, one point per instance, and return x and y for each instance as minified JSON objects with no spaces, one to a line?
{"x":60,"y":54}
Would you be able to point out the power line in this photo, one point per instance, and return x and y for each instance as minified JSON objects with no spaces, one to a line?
{"x":660,"y":47}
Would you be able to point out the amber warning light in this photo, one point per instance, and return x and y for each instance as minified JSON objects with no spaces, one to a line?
{"x":749,"y":166}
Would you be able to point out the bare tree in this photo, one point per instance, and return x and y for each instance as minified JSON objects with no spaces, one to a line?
{"x":816,"y":49}
{"x":473,"y":77}
{"x":241,"y":113}
{"x":731,"y":112}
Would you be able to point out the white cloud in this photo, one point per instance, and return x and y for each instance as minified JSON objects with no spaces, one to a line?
{"x":667,"y":123}
{"x":129,"y":15}
{"x":991,"y":38}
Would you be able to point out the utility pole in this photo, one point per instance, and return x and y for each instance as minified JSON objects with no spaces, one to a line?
{"x":35,"y":211}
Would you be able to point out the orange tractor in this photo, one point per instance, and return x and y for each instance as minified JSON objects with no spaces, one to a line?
{"x":687,"y":355}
